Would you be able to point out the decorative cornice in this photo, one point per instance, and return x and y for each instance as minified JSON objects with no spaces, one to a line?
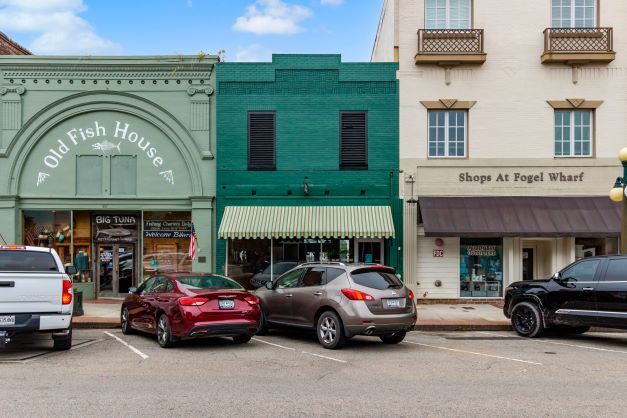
{"x":575,"y":104}
{"x":12,"y":89}
{"x":192,"y":90}
{"x":452,"y":104}
{"x":175,"y":70}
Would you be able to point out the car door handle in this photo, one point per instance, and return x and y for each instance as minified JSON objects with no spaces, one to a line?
{"x":318,"y":293}
{"x":289,"y":295}
{"x":7,"y":284}
{"x":588,"y":289}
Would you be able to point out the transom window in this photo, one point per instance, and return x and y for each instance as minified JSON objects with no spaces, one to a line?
{"x":573,"y":13}
{"x":447,"y":133}
{"x":448,"y":14}
{"x":573,"y":133}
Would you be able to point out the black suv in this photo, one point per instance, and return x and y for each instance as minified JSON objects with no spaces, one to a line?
{"x":589,"y":292}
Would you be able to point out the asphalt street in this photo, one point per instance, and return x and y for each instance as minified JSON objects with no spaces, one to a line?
{"x":289,"y":374}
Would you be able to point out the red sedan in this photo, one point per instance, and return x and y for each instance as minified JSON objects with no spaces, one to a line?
{"x":191,"y":305}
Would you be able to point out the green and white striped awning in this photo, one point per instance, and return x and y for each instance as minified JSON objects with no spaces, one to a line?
{"x":307,"y":222}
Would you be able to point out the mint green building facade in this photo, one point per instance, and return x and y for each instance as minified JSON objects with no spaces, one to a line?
{"x":307,"y":94}
{"x":109,"y":160}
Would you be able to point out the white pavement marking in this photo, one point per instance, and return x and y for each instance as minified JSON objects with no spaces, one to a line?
{"x":85,"y":344}
{"x":133,"y":349}
{"x":586,"y":347}
{"x":325,"y":357}
{"x":474,"y":353}
{"x":273,"y":344}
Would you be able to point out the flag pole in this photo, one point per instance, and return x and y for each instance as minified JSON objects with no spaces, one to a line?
{"x":271,"y":259}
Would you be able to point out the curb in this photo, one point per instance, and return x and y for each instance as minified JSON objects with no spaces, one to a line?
{"x":95,"y":323}
{"x":463,"y":327}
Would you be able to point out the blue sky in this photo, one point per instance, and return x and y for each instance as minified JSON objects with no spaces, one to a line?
{"x":248,"y":30}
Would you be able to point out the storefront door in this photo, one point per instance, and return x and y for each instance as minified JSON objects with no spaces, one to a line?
{"x":528,"y":266}
{"x":369,"y":251}
{"x":115,"y":269}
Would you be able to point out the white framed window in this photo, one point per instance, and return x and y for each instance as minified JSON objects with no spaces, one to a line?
{"x":447,"y":133}
{"x":573,"y":133}
{"x":573,"y":13}
{"x":448,"y":14}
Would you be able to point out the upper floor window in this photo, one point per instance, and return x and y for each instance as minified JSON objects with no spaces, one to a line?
{"x":448,"y":14}
{"x":573,"y":133}
{"x":354,"y":140}
{"x":573,"y":13}
{"x":447,"y":133}
{"x":261,"y":140}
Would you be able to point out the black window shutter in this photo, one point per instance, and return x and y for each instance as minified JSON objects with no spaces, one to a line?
{"x":354,"y":140}
{"x":261,"y":140}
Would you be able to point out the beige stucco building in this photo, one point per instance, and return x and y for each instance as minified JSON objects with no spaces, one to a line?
{"x":511,"y":119}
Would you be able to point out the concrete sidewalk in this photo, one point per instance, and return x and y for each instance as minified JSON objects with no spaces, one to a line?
{"x":106,"y":314}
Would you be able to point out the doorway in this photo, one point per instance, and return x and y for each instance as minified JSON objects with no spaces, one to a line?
{"x":369,"y":251}
{"x":115,"y":269}
{"x":528,"y":266}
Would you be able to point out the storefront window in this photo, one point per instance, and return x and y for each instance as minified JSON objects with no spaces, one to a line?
{"x":51,"y":229}
{"x":591,"y":247}
{"x":166,"y":242}
{"x":481,"y":267}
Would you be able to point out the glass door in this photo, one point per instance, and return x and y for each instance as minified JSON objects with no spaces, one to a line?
{"x":116,"y":269}
{"x":369,"y":251}
{"x":105,"y":272}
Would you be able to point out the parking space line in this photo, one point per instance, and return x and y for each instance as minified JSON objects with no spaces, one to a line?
{"x":586,"y":347}
{"x":85,"y":344}
{"x":273,"y":344}
{"x":130,"y":347}
{"x":325,"y":357}
{"x":474,"y":353}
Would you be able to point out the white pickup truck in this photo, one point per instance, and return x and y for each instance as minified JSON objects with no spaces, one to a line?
{"x":35,"y":294}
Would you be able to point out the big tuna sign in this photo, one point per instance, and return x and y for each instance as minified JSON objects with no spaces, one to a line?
{"x":105,"y":140}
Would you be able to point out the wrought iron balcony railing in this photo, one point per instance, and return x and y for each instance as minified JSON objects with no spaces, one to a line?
{"x":578,"y":40}
{"x":450,"y":45}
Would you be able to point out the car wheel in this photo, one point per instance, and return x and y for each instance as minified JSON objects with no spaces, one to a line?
{"x":527,"y":320}
{"x":164,"y":332}
{"x":126,"y":322}
{"x":263,"y":324}
{"x":566,"y":330}
{"x":241,"y":339}
{"x":393,"y":338}
{"x":62,"y":343}
{"x":330,"y":331}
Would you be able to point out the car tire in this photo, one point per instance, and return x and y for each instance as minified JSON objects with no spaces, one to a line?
{"x":566,"y":330}
{"x":241,"y":339}
{"x":263,"y":324}
{"x":164,"y":332}
{"x":527,"y":320}
{"x":393,"y":338}
{"x":330,"y":331}
{"x":62,"y":343}
{"x":125,"y":322}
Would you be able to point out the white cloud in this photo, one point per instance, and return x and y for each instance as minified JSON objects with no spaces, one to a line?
{"x":58,"y":27}
{"x":331,"y":2}
{"x":253,"y":53}
{"x":272,"y":17}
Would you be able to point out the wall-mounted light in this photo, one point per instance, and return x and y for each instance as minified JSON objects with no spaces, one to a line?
{"x":306,"y":186}
{"x":439,"y":242}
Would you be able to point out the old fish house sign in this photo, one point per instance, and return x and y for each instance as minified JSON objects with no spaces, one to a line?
{"x":118,"y":136}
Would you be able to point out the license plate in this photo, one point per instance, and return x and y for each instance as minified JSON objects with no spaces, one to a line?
{"x":226,"y":304}
{"x":7,"y":320}
{"x":393,"y":303}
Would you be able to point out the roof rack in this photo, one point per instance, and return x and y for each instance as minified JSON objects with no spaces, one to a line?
{"x":339,"y":263}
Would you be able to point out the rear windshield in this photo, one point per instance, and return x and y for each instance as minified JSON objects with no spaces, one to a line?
{"x":27,"y":261}
{"x":208,"y":282}
{"x":376,"y":279}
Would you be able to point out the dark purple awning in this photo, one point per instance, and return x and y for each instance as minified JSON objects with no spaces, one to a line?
{"x":520,"y":216}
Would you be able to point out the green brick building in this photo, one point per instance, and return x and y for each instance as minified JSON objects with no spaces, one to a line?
{"x":307,"y":164}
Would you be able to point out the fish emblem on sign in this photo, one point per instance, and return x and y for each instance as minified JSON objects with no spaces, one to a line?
{"x":106,"y":146}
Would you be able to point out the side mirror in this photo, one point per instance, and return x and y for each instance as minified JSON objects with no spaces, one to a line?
{"x":71,"y":270}
{"x":132,"y":289}
{"x":557,"y":276}
{"x":269,"y":285}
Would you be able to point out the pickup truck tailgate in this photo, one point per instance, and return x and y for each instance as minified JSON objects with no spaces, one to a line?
{"x":31,"y":292}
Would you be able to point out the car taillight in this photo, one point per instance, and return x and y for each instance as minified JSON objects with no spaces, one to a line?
{"x":192,"y":301}
{"x":252,"y":300}
{"x":410,"y":294}
{"x":66,"y":299}
{"x":353,"y":294}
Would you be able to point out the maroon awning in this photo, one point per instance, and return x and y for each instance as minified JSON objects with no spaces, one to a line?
{"x":520,"y":216}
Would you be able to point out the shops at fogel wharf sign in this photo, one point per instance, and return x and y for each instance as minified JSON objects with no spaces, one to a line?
{"x":516,"y":177}
{"x":101,"y":137}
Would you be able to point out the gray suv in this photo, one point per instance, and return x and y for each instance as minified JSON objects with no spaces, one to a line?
{"x":340,"y":301}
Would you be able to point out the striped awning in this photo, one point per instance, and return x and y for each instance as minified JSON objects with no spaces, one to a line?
{"x":307,"y":222}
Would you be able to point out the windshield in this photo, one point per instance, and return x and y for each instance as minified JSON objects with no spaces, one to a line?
{"x":208,"y":282}
{"x":376,"y":278}
{"x":27,"y":261}
{"x":280,"y":268}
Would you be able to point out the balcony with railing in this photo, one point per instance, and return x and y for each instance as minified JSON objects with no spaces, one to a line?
{"x":450,"y":46}
{"x":578,"y":46}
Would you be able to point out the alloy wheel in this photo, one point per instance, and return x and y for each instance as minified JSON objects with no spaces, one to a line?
{"x":328,"y":330}
{"x":524,"y":320}
{"x":125,"y":318}
{"x":162,"y":330}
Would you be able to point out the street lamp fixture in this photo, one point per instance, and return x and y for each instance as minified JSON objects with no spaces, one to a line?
{"x":619,"y":194}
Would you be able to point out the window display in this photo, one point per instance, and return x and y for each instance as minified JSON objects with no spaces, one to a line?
{"x":481,"y":267}
{"x":166,"y":242}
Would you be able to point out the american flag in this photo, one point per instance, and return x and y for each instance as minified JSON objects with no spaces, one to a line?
{"x":193,"y":243}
